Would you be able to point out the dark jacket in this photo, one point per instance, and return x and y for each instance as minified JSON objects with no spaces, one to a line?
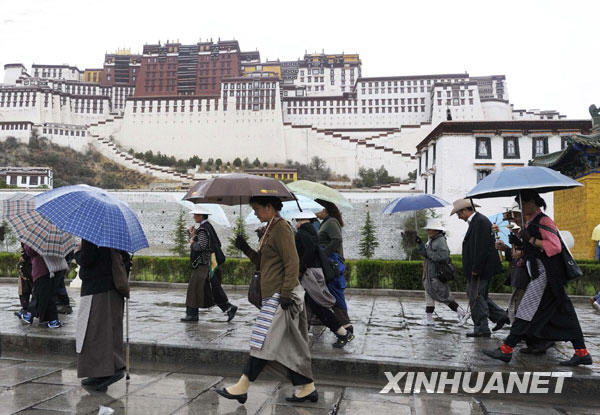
{"x":96,"y":269}
{"x":479,"y":253}
{"x":307,"y":245}
{"x":38,"y":266}
{"x":330,"y":237}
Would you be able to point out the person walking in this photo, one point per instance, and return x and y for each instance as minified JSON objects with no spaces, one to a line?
{"x":99,"y":332}
{"x":436,"y":254}
{"x":205,"y":289}
{"x":480,"y":262}
{"x":42,"y":306}
{"x":25,"y":283}
{"x":58,"y":268}
{"x":280,"y":333}
{"x":545,"y":311}
{"x":317,"y":296}
{"x":330,"y":240}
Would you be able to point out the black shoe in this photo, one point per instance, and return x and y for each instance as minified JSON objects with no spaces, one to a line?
{"x":64,"y":309}
{"x":242,"y":398}
{"x":501,"y":323}
{"x":578,"y":360}
{"x":313,"y":397}
{"x":188,"y":318}
{"x":231,"y":313}
{"x":91,"y":381}
{"x":109,"y":380}
{"x":350,"y":329}
{"x":343,"y":340}
{"x":498,"y":354}
{"x":478,"y":334}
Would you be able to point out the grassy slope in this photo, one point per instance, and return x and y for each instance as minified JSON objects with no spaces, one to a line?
{"x":70,"y":166}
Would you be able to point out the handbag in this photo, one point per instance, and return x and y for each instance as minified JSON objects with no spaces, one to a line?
{"x":254,"y":292}
{"x":572,"y":270}
{"x":446,"y":271}
{"x":119,"y":273}
{"x":330,"y":267}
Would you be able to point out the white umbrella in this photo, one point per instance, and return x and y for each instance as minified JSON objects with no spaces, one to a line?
{"x":217,"y":214}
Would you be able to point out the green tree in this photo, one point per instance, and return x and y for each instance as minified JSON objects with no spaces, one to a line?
{"x":368,"y":241}
{"x":210,"y":162}
{"x":218,"y":163}
{"x":410,"y":232}
{"x":180,"y":236}
{"x":238,"y":229}
{"x":8,"y":236}
{"x":256,"y":162}
{"x":412,"y":175}
{"x":247,"y":163}
{"x":237,"y":162}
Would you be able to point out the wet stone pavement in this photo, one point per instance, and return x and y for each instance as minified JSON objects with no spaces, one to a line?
{"x":34,"y":386}
{"x":387,"y":329}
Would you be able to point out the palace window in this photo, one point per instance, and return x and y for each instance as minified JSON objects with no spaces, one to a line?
{"x":483,"y":148}
{"x":539,"y":146}
{"x":482,"y":174}
{"x":511,"y":148}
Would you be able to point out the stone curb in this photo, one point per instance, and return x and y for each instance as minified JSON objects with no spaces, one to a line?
{"x":579,"y":299}
{"x":230,"y":361}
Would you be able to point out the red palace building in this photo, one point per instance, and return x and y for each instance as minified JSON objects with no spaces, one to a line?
{"x":174,"y":69}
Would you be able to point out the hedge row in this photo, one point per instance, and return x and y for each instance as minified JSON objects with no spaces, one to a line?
{"x":404,"y":275}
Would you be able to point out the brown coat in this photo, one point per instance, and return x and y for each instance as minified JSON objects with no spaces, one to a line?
{"x":277,"y":260}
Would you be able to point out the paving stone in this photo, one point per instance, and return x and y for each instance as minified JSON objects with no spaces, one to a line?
{"x":495,"y":406}
{"x":14,"y":375}
{"x":178,"y":385}
{"x":431,"y":404}
{"x":351,"y":407}
{"x":25,"y":396}
{"x":145,"y":405}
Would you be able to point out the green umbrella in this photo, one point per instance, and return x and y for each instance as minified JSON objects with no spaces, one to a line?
{"x":315,"y":191}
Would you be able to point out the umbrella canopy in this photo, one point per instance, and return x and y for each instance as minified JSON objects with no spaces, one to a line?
{"x":509,"y":182}
{"x":217,"y":214}
{"x":315,"y":191}
{"x":34,"y":230}
{"x":414,"y":202}
{"x":94,"y":215}
{"x":290,"y":209}
{"x":502,"y":224}
{"x":596,"y":233}
{"x":237,"y":188}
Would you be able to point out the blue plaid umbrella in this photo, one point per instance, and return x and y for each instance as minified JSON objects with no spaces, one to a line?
{"x":94,"y":215}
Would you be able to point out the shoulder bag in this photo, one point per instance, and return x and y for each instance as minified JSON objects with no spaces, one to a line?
{"x":119,"y":273}
{"x":573,"y":271}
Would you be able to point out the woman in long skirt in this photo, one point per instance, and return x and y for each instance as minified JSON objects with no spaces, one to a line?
{"x":280,"y":334}
{"x":330,"y":240}
{"x":99,"y":334}
{"x":545,"y":312}
{"x":436,"y":252}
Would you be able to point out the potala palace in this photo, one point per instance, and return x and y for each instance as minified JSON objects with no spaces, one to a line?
{"x":214,"y":100}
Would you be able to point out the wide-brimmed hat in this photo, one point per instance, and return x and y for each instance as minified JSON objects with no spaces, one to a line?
{"x":461,"y":204}
{"x":434,"y":224}
{"x":200,"y":210}
{"x":515,"y":208}
{"x":305,"y":214}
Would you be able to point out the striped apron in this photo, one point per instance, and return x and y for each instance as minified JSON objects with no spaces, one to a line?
{"x":263,"y":321}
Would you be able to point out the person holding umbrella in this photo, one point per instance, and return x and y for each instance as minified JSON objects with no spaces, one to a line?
{"x":436,"y":254}
{"x":204,"y":288}
{"x":312,"y":277}
{"x":280,"y":334}
{"x":545,"y":311}
{"x":480,"y":263}
{"x":330,"y":240}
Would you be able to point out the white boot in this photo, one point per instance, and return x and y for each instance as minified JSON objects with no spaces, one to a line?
{"x":463,"y":316}
{"x":428,"y":320}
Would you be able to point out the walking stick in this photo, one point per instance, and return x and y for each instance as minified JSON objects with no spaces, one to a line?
{"x":127,"y":377}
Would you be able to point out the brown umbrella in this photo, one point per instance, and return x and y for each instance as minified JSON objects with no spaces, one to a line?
{"x":236,"y":188}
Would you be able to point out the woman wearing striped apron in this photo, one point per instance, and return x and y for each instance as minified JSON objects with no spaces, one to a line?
{"x":280,"y":334}
{"x":545,"y":312}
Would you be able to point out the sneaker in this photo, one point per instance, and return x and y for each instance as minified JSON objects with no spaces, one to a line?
{"x":27,"y":317}
{"x":596,"y":306}
{"x":19,"y":313}
{"x":54,"y":324}
{"x":343,"y":340}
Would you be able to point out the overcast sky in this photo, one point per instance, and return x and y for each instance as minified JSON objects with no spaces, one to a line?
{"x":548,"y":50}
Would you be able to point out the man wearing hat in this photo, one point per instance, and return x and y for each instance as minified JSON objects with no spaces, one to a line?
{"x":480,"y":263}
{"x":204,"y":288}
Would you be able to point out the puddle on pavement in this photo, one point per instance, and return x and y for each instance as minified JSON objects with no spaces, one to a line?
{"x":169,"y":304}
